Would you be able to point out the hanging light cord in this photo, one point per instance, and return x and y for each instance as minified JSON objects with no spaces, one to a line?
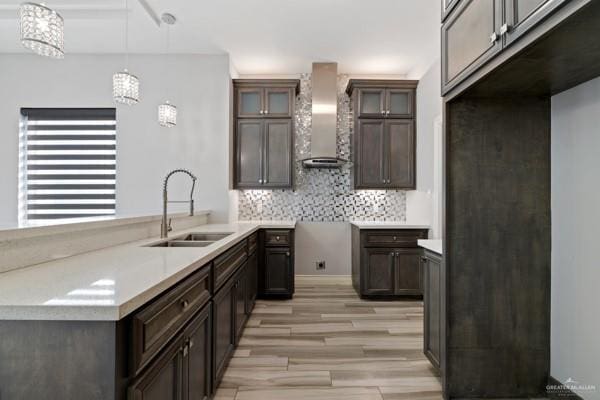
{"x":168,"y":61}
{"x":127,"y":34}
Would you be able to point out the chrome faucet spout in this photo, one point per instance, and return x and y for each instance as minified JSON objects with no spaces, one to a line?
{"x":165,"y":226}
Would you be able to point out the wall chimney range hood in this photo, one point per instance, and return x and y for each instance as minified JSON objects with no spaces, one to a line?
{"x":323,"y":144}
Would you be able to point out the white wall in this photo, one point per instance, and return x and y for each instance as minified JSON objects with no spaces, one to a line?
{"x":145,"y":151}
{"x":575,"y":348}
{"x":420,"y":202}
{"x":322,"y":241}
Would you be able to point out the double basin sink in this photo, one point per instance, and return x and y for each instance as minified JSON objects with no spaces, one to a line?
{"x":192,"y":240}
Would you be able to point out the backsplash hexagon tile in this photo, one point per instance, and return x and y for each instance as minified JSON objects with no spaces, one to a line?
{"x":322,"y":195}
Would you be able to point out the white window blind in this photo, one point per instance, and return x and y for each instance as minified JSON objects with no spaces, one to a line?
{"x":68,"y":165}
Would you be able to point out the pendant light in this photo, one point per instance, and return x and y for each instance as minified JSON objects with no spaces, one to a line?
{"x":126,"y":86}
{"x":42,"y":30}
{"x":167,"y":112}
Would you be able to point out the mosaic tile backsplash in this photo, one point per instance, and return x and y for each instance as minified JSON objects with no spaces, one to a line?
{"x":322,"y":195}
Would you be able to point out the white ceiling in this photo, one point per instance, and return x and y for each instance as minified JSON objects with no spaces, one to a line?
{"x":399,"y":37}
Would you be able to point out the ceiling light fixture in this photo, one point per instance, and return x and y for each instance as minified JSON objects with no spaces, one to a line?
{"x":42,"y":30}
{"x":167,"y":112}
{"x":126,"y":87}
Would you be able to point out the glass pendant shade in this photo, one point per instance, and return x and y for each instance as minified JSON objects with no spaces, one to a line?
{"x":126,"y":88}
{"x":42,"y":30}
{"x":167,"y":115}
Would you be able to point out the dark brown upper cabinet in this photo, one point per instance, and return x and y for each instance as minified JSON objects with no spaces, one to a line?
{"x":385,"y":137}
{"x":383,"y":99}
{"x":475,"y":31}
{"x":470,"y":36}
{"x":447,"y":6}
{"x":264,"y":154}
{"x":385,"y":154}
{"x":522,"y":15}
{"x":264,"y":133}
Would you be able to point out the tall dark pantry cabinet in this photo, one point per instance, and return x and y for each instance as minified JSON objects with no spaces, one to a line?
{"x":502,"y":60}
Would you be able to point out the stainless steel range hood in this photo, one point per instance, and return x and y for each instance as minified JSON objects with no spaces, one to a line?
{"x":324,"y":118}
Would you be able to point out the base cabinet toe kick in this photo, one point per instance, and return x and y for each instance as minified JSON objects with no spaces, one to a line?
{"x":175,"y":347}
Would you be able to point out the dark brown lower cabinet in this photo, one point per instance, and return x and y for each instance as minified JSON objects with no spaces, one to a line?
{"x":387,"y":262}
{"x":432,"y":301}
{"x":276,"y":264}
{"x":252,"y":282}
{"x":223,"y":329}
{"x":197,"y":370}
{"x":182,"y":371}
{"x":241,"y":289}
{"x":408,"y":276}
{"x":378,"y":271}
{"x":278,"y":269}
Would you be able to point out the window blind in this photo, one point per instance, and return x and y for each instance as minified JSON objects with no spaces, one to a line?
{"x":68,"y":158}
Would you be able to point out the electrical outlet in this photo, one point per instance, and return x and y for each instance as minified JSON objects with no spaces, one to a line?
{"x":320,"y":265}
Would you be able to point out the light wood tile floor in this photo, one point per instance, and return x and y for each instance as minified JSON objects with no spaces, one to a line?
{"x":327,"y":344}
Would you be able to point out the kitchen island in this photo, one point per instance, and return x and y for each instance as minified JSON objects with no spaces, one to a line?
{"x":137,"y":320}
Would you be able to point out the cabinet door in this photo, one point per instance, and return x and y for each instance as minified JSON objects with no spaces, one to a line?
{"x":278,"y":272}
{"x":371,"y":102}
{"x":249,"y":153}
{"x":370,"y":147}
{"x":378,"y":271}
{"x":163,"y":378}
{"x":252,"y":282}
{"x":223,"y":329}
{"x":400,"y":154}
{"x":447,"y":6}
{"x":278,"y":151}
{"x":240,"y":302}
{"x":432,"y":303}
{"x":198,"y":361}
{"x":470,"y":36}
{"x":400,"y":103}
{"x":407,"y":274}
{"x":250,"y":102}
{"x":278,"y":102}
{"x":521,"y":15}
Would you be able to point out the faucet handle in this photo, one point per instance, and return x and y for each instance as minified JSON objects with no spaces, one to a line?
{"x":169,"y":227}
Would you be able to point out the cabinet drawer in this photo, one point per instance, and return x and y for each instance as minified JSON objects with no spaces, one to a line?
{"x":156,"y":324}
{"x":226,"y":264}
{"x":252,"y":243}
{"x":389,"y":238}
{"x":277,"y":238}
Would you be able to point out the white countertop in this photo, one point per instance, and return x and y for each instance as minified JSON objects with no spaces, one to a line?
{"x":386,"y":225}
{"x":434,"y":245}
{"x":108,"y":284}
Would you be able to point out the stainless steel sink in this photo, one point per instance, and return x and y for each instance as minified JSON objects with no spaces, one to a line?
{"x":183,"y":243}
{"x":213,"y":237}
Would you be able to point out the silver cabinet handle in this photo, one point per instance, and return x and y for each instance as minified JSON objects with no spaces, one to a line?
{"x":266,"y":111}
{"x":387,"y":112}
{"x":287,"y":254}
{"x":395,"y":238}
{"x":277,"y":238}
{"x":185,"y":304}
{"x":382,"y":112}
{"x":260,"y":181}
{"x":494,"y":37}
{"x":261,"y":112}
{"x":504,"y":29}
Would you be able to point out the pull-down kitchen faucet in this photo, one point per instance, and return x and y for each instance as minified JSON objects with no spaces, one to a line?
{"x":165,"y":227}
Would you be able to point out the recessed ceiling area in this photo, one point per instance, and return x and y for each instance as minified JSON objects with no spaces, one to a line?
{"x":383,"y":37}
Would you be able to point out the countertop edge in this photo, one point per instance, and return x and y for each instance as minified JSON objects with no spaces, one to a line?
{"x":433,"y":245}
{"x":114,"y":313}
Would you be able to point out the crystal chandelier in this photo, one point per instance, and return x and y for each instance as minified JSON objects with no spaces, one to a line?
{"x":167,"y":115}
{"x":42,"y":30}
{"x":167,"y":112}
{"x":126,"y":87}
